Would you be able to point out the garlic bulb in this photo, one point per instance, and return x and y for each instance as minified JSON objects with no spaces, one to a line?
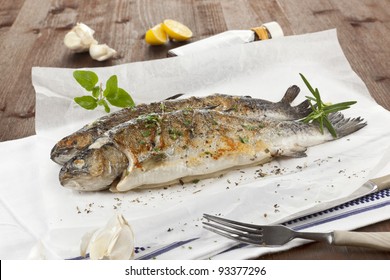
{"x":80,"y":38}
{"x":101,"y":52}
{"x":115,"y":241}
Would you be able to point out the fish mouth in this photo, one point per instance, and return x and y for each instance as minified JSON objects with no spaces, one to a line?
{"x":83,"y":181}
{"x":69,"y":147}
{"x":62,"y":155}
{"x":85,"y":184}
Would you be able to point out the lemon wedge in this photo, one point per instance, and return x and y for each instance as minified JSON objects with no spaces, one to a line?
{"x":176,"y":30}
{"x":156,"y":35}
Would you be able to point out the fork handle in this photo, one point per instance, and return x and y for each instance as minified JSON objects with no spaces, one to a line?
{"x":375,"y":240}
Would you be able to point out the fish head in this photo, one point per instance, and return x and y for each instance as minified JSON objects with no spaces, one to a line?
{"x":93,"y":169}
{"x":69,"y":146}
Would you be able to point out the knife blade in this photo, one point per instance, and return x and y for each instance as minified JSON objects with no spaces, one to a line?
{"x":371,"y":186}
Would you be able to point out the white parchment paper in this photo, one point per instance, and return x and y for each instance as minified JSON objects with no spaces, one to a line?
{"x":45,"y":213}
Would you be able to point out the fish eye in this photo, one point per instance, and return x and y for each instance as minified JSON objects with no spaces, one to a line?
{"x":79,"y":163}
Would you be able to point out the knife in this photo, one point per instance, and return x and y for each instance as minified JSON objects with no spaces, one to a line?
{"x":369,"y":187}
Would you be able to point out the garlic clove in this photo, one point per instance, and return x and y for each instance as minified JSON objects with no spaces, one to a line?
{"x":101,"y":52}
{"x":122,"y":247}
{"x":85,"y":240}
{"x":80,"y":38}
{"x":115,"y":241}
{"x":99,"y":245}
{"x":73,"y":41}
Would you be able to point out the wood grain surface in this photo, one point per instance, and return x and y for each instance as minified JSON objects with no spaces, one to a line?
{"x":32,"y":32}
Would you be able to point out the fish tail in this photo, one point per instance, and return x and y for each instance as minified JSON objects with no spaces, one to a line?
{"x":291,"y":93}
{"x":345,"y":126}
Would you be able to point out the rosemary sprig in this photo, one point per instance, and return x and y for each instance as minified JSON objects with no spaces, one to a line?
{"x":321,"y":110}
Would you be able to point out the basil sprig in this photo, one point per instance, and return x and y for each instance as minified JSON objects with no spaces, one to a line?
{"x":320,"y":110}
{"x":112,"y":94}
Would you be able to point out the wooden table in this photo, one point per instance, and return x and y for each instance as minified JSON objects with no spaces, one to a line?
{"x":32,"y":32}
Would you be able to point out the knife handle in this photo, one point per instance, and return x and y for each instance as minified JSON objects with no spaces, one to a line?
{"x":375,"y":240}
{"x":382,"y":182}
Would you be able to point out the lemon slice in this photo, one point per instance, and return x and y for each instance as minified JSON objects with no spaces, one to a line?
{"x":176,"y":30}
{"x":156,"y":35}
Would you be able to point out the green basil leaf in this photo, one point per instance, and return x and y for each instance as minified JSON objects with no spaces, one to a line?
{"x":102,"y":102}
{"x":87,"y":79}
{"x":106,"y":107}
{"x":96,"y":92}
{"x":86,"y":101}
{"x":120,"y":99}
{"x":111,"y":86}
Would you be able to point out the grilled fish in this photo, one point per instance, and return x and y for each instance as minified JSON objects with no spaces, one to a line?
{"x":160,"y":149}
{"x":70,"y":145}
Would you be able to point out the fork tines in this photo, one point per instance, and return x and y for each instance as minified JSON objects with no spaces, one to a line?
{"x":247,"y":233}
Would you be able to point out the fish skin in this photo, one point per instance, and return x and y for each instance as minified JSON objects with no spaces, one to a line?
{"x":160,"y":149}
{"x":70,"y":145}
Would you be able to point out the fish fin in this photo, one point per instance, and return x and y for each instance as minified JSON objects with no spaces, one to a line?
{"x":112,"y":186}
{"x":291,"y":93}
{"x":113,"y":189}
{"x":153,"y":160}
{"x":210,"y":107}
{"x":174,"y":96}
{"x":296,"y":152}
{"x":345,"y":126}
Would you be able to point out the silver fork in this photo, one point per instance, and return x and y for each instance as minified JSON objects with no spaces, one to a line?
{"x":276,"y":235}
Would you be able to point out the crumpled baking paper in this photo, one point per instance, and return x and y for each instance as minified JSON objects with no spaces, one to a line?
{"x":40,"y":216}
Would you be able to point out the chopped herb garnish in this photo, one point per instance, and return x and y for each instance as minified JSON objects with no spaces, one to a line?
{"x":187,"y":122}
{"x":151,"y":120}
{"x":162,"y":106}
{"x":248,"y":127}
{"x":174,"y":133}
{"x":234,"y":108}
{"x":145,"y":133}
{"x":244,"y":140}
{"x":187,"y":110}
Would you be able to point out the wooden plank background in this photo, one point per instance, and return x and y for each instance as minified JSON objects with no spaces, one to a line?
{"x":32,"y":32}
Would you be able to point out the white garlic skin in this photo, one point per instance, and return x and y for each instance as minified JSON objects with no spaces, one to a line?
{"x":101,"y":52}
{"x":115,"y":241}
{"x":80,"y":38}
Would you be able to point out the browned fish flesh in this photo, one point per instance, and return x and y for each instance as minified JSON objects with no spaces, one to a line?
{"x":162,"y":148}
{"x":70,"y":145}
